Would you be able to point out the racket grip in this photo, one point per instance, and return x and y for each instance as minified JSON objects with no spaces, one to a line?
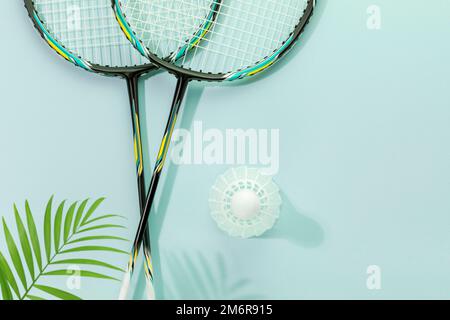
{"x":125,"y":288}
{"x":149,"y":290}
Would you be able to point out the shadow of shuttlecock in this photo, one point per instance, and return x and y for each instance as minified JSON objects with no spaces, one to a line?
{"x":295,"y":227}
{"x":196,"y":277}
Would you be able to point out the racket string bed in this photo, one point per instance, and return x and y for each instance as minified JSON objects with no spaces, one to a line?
{"x":244,"y":33}
{"x":89,"y":29}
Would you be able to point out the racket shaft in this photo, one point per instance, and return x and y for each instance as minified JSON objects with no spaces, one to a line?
{"x":132,"y":84}
{"x":175,"y":109}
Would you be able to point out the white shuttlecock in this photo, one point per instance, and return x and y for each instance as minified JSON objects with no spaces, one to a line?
{"x":244,"y":202}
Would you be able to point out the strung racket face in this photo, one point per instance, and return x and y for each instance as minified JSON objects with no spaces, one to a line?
{"x":245,"y":36}
{"x":85,"y":33}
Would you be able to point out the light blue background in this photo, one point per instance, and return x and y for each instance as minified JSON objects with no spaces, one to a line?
{"x":365,"y":175}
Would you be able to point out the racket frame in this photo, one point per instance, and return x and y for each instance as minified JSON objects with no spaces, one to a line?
{"x":169,"y":65}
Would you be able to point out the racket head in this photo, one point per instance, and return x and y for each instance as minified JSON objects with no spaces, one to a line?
{"x":244,"y":37}
{"x":104,"y":50}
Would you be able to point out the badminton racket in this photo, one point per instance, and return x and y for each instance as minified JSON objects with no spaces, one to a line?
{"x":245,"y":37}
{"x":195,"y":32}
{"x":85,"y":33}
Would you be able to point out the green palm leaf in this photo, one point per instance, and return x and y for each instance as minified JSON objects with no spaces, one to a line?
{"x":83,"y":239}
{"x":31,"y":297}
{"x":68,"y":221}
{"x":81,"y":273}
{"x":64,"y":295}
{"x":57,"y":225}
{"x":92,"y":210}
{"x":79,"y":215}
{"x":14,"y":253}
{"x":62,"y":230}
{"x":24,"y":243}
{"x":6,"y":290}
{"x":6,"y":271}
{"x":103,"y":226}
{"x":93,"y":248}
{"x":33,"y":235}
{"x":48,"y":229}
{"x":90,"y":262}
{"x":102,"y":218}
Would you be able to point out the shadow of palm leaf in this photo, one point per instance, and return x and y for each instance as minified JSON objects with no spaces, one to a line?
{"x":196,"y":277}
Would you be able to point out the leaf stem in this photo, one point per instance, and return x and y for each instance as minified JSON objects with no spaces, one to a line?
{"x":57,"y":251}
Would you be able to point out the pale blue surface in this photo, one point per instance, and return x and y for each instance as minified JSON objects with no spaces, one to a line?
{"x":365,"y":175}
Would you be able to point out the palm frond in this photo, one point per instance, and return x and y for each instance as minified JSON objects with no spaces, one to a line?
{"x":91,"y":210}
{"x":64,"y":295}
{"x":93,"y":248}
{"x":24,"y":243}
{"x":82,"y":273}
{"x":57,"y":225}
{"x":107,"y":216}
{"x":64,"y":232}
{"x":7,"y":274}
{"x":48,"y":229}
{"x":79,"y":215}
{"x":90,"y":238}
{"x":5,"y":289}
{"x":68,"y":221}
{"x":103,"y":226}
{"x":31,"y":297}
{"x":15,"y":256}
{"x":91,"y":262}
{"x":33,"y":236}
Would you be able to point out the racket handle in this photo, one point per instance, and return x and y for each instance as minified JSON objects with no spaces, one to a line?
{"x":126,"y":284}
{"x":149,"y":290}
{"x":125,"y":288}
